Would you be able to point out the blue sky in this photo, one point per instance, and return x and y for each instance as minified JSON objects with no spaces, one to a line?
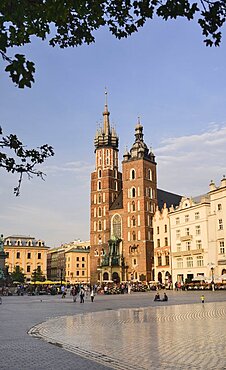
{"x":164,"y":74}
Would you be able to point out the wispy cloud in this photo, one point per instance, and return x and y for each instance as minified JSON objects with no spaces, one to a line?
{"x":186,"y":164}
{"x":78,"y":167}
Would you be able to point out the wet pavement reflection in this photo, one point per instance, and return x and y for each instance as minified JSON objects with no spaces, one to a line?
{"x":171,"y":337}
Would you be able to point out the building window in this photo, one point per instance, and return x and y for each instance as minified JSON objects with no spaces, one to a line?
{"x":133,"y":221}
{"x":166,"y":242}
{"x":157,"y":229}
{"x":99,"y":198}
{"x":99,"y":212}
{"x":158,"y":243}
{"x":179,"y":263}
{"x":150,"y":174}
{"x":133,"y":192}
{"x":77,"y":265}
{"x":83,"y":273}
{"x":134,"y":235}
{"x":167,"y":260}
{"x":159,"y":261}
{"x":178,"y":247}
{"x":220,"y":223}
{"x":189,"y":262}
{"x":200,"y":262}
{"x":28,"y":268}
{"x":165,"y":228}
{"x":197,"y":230}
{"x":77,"y":258}
{"x":177,"y":220}
{"x":132,"y":174}
{"x":39,"y":256}
{"x":133,"y":207}
{"x":99,"y":173}
{"x":198,"y":244}
{"x":177,"y":234}
{"x":99,"y":185}
{"x":219,"y":207}
{"x":83,"y":265}
{"x":134,"y":262}
{"x":18,"y":255}
{"x":29,"y":255}
{"x":222,"y":250}
{"x":117,"y":226}
{"x":83,"y":259}
{"x":96,"y":253}
{"x":186,"y":218}
{"x":187,"y":231}
{"x":77,"y":273}
{"x":197,"y":216}
{"x":188,"y":246}
{"x":99,"y":225}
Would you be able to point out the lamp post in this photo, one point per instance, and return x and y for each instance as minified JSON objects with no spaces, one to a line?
{"x":212,"y":265}
{"x":61,"y":277}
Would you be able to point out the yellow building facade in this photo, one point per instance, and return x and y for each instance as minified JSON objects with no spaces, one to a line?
{"x":70,"y":262}
{"x":27,"y":253}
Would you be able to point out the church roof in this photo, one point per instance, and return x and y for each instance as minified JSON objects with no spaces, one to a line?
{"x":118,"y":202}
{"x":168,"y":198}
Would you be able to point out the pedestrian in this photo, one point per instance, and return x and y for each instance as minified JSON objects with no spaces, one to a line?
{"x":82,"y":293}
{"x":202,"y":298}
{"x":74,"y":293}
{"x":63,"y":291}
{"x":92,"y":295}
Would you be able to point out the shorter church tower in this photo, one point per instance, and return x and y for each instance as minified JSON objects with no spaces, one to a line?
{"x":106,"y":184}
{"x":139,"y":203}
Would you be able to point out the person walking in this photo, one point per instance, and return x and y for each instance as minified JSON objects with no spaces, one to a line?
{"x":82,"y":293}
{"x":202,"y":298}
{"x":74,"y":293}
{"x":92,"y":295}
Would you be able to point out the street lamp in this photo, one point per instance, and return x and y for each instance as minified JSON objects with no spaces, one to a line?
{"x":212,"y":265}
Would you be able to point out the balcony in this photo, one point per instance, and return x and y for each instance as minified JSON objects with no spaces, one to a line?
{"x":185,"y":238}
{"x":188,"y":253}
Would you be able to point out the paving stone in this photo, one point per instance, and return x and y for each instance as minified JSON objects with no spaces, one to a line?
{"x":119,"y":332}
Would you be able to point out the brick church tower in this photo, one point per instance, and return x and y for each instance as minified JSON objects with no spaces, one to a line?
{"x":139,"y":203}
{"x":106,"y":184}
{"x":122,"y":207}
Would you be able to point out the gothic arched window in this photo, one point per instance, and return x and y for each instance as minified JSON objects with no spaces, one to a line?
{"x":133,"y":192}
{"x":117,"y":226}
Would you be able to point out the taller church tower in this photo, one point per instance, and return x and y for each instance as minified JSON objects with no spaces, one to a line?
{"x":106,"y":184}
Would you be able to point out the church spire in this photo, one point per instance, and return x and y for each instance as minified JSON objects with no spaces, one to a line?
{"x":106,"y":115}
{"x":106,"y":136}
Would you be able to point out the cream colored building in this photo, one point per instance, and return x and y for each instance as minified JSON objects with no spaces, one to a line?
{"x":70,"y":262}
{"x":189,"y":239}
{"x":162,"y":257}
{"x":27,"y":253}
{"x":77,"y":265}
{"x":217,"y":229}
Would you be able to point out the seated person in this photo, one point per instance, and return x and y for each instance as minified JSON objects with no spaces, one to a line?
{"x":165,"y":298}
{"x":157,"y":297}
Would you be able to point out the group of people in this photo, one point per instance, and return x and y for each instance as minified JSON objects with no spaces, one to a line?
{"x":158,"y":298}
{"x":82,"y":293}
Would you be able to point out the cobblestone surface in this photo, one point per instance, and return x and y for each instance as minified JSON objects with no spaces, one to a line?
{"x":120,"y":332}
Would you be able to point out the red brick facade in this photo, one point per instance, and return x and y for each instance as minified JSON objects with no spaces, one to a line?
{"x":122,"y":208}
